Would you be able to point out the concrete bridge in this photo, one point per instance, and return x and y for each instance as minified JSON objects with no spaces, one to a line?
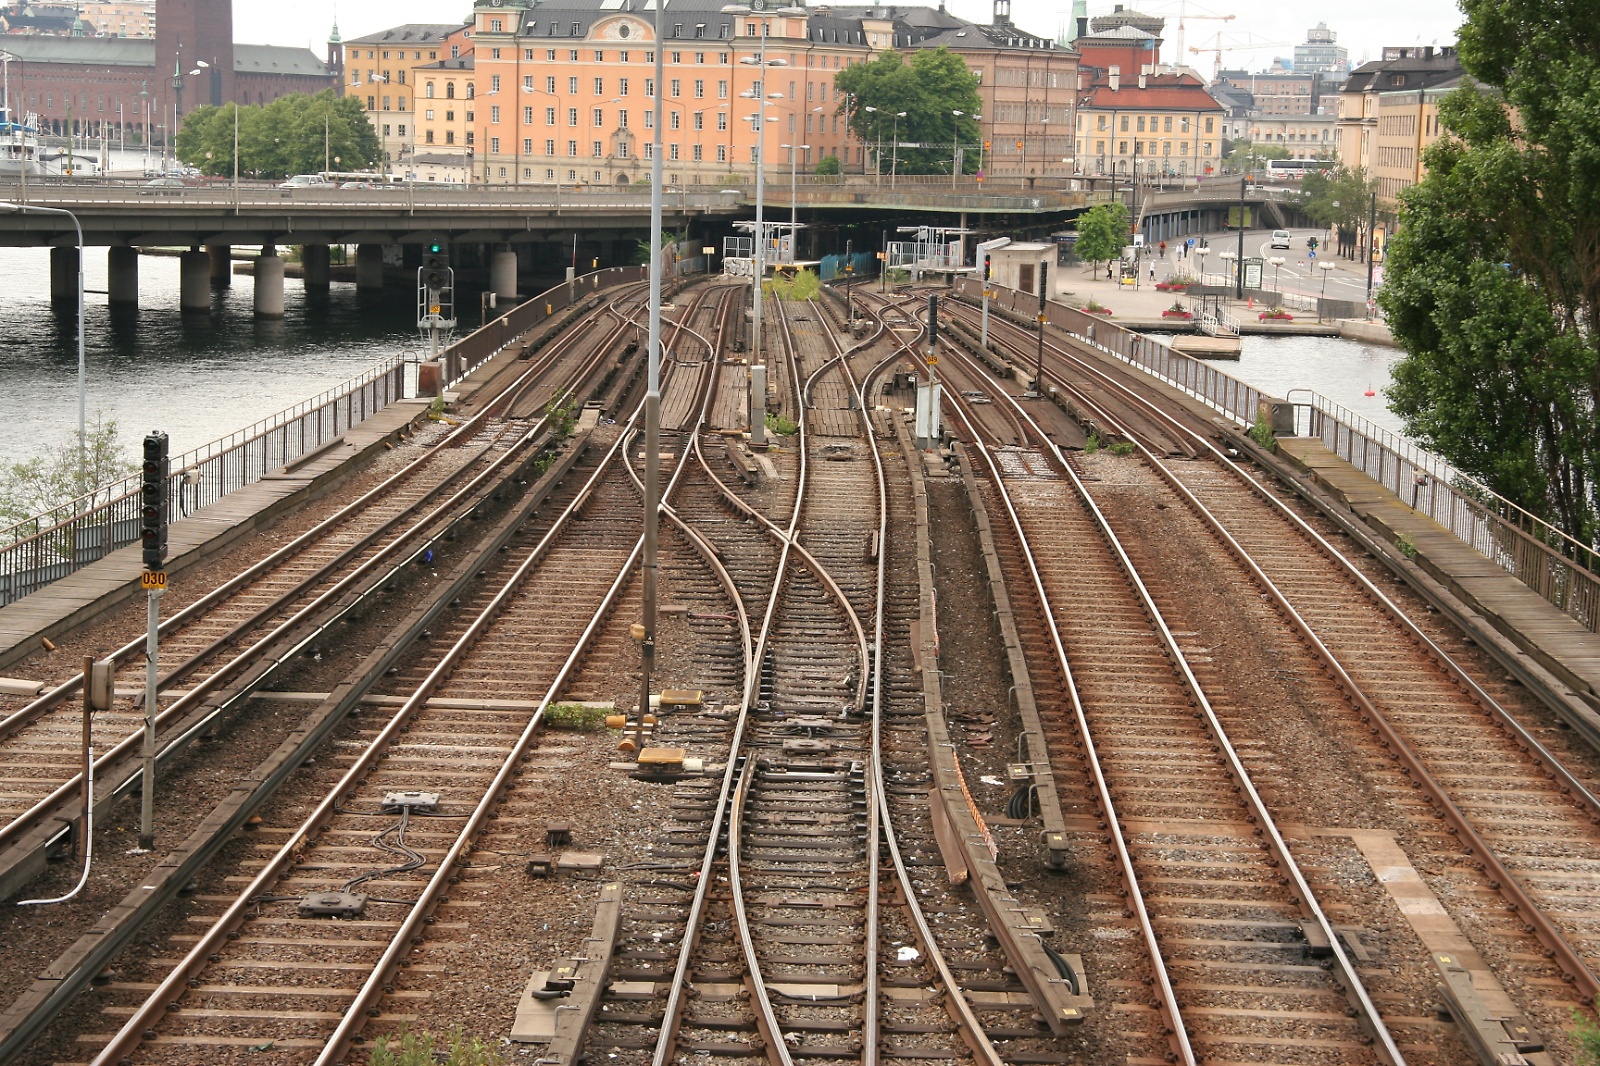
{"x":211,"y":217}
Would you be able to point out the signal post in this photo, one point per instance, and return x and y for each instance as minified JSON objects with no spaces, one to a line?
{"x":153,"y":507}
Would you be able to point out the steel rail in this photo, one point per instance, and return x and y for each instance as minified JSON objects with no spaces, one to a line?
{"x":145,"y":1016}
{"x":1166,"y":996}
{"x":1564,"y":954}
{"x":966,"y":1020}
{"x":135,"y":648}
{"x":196,"y":695}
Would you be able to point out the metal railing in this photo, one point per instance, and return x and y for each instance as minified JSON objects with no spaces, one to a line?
{"x":1215,"y":322}
{"x":1542,"y":557}
{"x":49,"y":546}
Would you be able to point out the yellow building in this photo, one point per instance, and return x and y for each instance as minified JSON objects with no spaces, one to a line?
{"x":382,"y":70}
{"x":1407,"y":123}
{"x":1400,"y":73}
{"x":120,"y":19}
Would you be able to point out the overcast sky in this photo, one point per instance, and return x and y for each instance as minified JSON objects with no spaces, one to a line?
{"x":1272,"y":26}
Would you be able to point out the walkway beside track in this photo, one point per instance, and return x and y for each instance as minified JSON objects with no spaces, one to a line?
{"x":74,"y":599}
{"x":1556,"y":641}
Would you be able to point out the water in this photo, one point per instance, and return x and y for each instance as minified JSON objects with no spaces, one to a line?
{"x":198,"y":377}
{"x":1340,"y":369}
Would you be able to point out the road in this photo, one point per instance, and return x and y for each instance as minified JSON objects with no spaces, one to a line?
{"x":1300,"y":271}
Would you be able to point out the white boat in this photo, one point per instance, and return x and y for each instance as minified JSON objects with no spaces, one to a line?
{"x":19,"y":147}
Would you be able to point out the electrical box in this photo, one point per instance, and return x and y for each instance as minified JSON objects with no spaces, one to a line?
{"x":333,"y":905}
{"x":101,"y":679}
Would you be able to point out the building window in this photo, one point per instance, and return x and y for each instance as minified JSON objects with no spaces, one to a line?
{"x":649,"y":149}
{"x":494,"y":114}
{"x":449,"y":116}
{"x":575,"y":32}
{"x":550,"y":57}
{"x":572,"y":86}
{"x":622,"y":150}
{"x":649,"y":120}
{"x":1139,"y":126}
{"x":675,"y":87}
{"x":386,"y":130}
{"x":527,"y":146}
{"x":722,"y":121}
{"x":494,"y":145}
{"x":427,"y":136}
{"x":599,"y":116}
{"x":455,"y":51}
{"x":494,"y":83}
{"x":697,"y":153}
{"x":599,"y":56}
{"x":699,"y":121}
{"x":1208,"y":128}
{"x":449,"y":136}
{"x":494,"y":53}
{"x":1125,"y":124}
{"x":495,"y":26}
{"x":700,"y":30}
{"x":650,"y":87}
{"x":549,"y":147}
{"x":672,"y":151}
{"x":428,"y":114}
{"x":673,"y":122}
{"x":549,"y":116}
{"x":549,"y":174}
{"x":599,"y":150}
{"x":549,"y":85}
{"x":722,"y":153}
{"x":699,"y":89}
{"x":599,"y":86}
{"x":622,"y":120}
{"x":622,"y":57}
{"x":572,"y":57}
{"x":527,"y":116}
{"x":622,"y":86}
{"x":572,"y":149}
{"x":572,"y":116}
{"x":527,"y":53}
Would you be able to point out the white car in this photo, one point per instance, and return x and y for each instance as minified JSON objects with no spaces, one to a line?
{"x":304,"y":181}
{"x":1280,"y":238}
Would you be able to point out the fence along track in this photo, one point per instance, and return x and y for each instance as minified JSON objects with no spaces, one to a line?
{"x":262,"y":607}
{"x":1098,"y":677}
{"x":1529,"y":854}
{"x":533,"y":572}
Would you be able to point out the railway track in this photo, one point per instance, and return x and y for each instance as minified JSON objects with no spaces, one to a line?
{"x":219,"y":641}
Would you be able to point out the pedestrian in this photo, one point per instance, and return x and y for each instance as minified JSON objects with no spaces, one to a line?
{"x":1152,"y":272}
{"x":1163,"y":249}
{"x":1108,"y":270}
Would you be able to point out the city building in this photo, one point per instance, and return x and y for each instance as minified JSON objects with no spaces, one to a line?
{"x":1320,"y":54}
{"x":1302,"y":136}
{"x":1275,"y":94}
{"x":384,"y":71}
{"x":444,"y":106}
{"x":58,"y":20}
{"x":566,"y":89}
{"x":1162,"y":123}
{"x":1389,"y":104}
{"x":1120,"y":16}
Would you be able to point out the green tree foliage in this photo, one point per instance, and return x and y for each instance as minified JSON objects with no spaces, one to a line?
{"x":1493,"y":281}
{"x":929,"y":89}
{"x":1338,"y":200}
{"x":281,"y":138}
{"x":829,"y":164}
{"x":1243,"y":155}
{"x":56,"y":477}
{"x":1102,"y":232}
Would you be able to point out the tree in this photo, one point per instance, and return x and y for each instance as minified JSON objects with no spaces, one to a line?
{"x":1338,"y":200}
{"x":58,"y":476}
{"x":1102,"y":233}
{"x":828,"y":164}
{"x":1243,"y":155}
{"x":929,"y":89}
{"x":1492,"y":282}
{"x":294,"y":134}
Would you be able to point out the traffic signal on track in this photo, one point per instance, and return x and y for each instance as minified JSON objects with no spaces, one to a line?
{"x":1311,"y":242}
{"x":153,"y":501}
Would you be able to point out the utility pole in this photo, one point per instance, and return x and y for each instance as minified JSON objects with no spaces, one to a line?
{"x":1238,"y":264}
{"x":652,"y":395}
{"x":1372,"y":226}
{"x":1038,"y":366}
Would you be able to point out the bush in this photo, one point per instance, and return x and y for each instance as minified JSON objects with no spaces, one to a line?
{"x":1586,"y":1038}
{"x":422,"y":1049}
{"x":781,"y":426}
{"x":829,"y":164}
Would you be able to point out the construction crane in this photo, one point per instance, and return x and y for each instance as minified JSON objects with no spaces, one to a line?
{"x":1183,"y":14}
{"x":1246,"y":42}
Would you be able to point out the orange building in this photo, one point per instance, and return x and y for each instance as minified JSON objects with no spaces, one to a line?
{"x":566,"y":88}
{"x":390,"y":73}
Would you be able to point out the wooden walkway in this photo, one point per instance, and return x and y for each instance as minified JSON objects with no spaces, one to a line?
{"x":74,"y":599}
{"x":1558,"y":643}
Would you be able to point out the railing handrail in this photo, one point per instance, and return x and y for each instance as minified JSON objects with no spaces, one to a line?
{"x":47,"y":520}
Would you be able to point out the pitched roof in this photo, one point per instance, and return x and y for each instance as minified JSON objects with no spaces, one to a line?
{"x":93,"y":51}
{"x":410,"y":33}
{"x":1163,"y":92}
{"x":277,"y":59}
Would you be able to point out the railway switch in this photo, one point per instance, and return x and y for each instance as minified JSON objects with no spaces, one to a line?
{"x":333,"y":905}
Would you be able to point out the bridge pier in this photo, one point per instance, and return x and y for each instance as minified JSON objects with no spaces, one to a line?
{"x":269,"y":283}
{"x":122,"y":275}
{"x":194,"y":281}
{"x":369,"y":267}
{"x":314,"y":262}
{"x":64,"y":275}
{"x":221,"y":258}
{"x":503,"y":272}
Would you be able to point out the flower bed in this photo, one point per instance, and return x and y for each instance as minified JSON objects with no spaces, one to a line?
{"x":1276,"y":316}
{"x":1177,"y":314}
{"x":1095,"y":309}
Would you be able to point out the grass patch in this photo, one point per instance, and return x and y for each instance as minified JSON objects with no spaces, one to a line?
{"x":781,"y":426}
{"x":576,"y":716}
{"x":425,"y":1049}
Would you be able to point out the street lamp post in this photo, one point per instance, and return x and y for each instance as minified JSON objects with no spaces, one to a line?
{"x":1277,"y":267}
{"x":955,"y":143}
{"x":894,"y":149}
{"x":794,"y":203}
{"x":760,"y":118}
{"x":10,"y":208}
{"x":1326,"y":268}
{"x":877,"y":157}
{"x":1202,"y":251}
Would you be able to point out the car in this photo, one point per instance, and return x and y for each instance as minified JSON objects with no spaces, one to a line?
{"x":1280,"y":239}
{"x":156,"y":186}
{"x":357,"y":185}
{"x":305,"y":181}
